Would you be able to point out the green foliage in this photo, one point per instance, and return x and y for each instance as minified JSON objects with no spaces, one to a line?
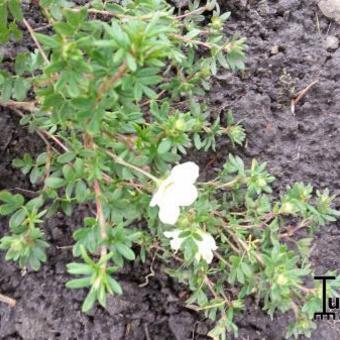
{"x":95,"y":275}
{"x":10,"y":15}
{"x":118,"y":102}
{"x":25,"y":243}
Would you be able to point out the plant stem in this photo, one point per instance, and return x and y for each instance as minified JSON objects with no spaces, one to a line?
{"x":220,"y":257}
{"x":304,"y":223}
{"x":27,"y":106}
{"x":196,"y":11}
{"x":88,"y":142}
{"x":100,"y":217}
{"x":133,"y":167}
{"x":188,"y":40}
{"x":112,"y":14}
{"x":229,"y":184}
{"x":244,"y":246}
{"x":31,"y":32}
{"x":108,"y":83}
{"x":211,"y":285}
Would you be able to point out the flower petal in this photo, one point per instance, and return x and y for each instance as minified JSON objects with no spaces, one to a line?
{"x":186,"y":172}
{"x":207,"y":255}
{"x":176,"y":242}
{"x":186,"y":195}
{"x":172,"y":234}
{"x":155,"y":198}
{"x":169,"y":213}
{"x":160,"y":195}
{"x":209,"y":241}
{"x":206,"y":247}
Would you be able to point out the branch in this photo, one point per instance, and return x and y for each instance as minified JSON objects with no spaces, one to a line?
{"x":291,"y":232}
{"x":42,"y":132}
{"x":11,"y":104}
{"x":30,"y":30}
{"x":100,"y":217}
{"x":88,"y":142}
{"x":196,"y":11}
{"x":244,"y":246}
{"x":295,"y":101}
{"x":188,"y":40}
{"x":120,"y":161}
{"x":108,"y":83}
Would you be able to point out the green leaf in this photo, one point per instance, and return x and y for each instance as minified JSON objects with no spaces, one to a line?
{"x":66,"y":157}
{"x":17,"y":218}
{"x":79,"y":269}
{"x":68,"y":172}
{"x":20,"y":88}
{"x":75,"y":18}
{"x":15,"y":9}
{"x":6,"y":89}
{"x":7,"y":209}
{"x":54,"y":182}
{"x":21,"y":63}
{"x":42,"y":158}
{"x":246,"y":269}
{"x":125,"y":251}
{"x":48,"y":41}
{"x":12,"y":202}
{"x":101,"y":295}
{"x":164,"y":146}
{"x":35,"y":203}
{"x":197,"y":141}
{"x":80,"y":192}
{"x":89,"y":300}
{"x":114,"y":285}
{"x":131,"y":62}
{"x":6,"y":196}
{"x":79,"y":283}
{"x":64,"y":28}
{"x":35,"y":174}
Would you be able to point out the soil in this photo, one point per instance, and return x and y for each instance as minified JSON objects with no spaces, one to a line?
{"x":286,"y":53}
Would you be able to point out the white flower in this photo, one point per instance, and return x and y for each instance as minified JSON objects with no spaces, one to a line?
{"x":176,"y":191}
{"x":176,"y":241}
{"x":206,"y":246}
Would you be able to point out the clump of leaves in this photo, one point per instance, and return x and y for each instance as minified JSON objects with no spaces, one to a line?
{"x":10,"y":15}
{"x":119,"y":99}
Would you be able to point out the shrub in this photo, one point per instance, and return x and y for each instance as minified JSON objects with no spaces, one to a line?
{"x":119,"y":100}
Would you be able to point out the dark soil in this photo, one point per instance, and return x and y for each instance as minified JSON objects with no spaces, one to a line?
{"x":286,"y":53}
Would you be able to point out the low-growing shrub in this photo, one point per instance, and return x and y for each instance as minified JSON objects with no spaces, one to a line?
{"x":119,"y":98}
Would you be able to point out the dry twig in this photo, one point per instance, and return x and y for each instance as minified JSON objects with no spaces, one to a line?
{"x":9,"y":301}
{"x":295,"y":101}
{"x":37,"y":43}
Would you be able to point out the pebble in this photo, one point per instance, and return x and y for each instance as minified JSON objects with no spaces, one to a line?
{"x":274,"y":50}
{"x":331,"y":42}
{"x":331,"y":9}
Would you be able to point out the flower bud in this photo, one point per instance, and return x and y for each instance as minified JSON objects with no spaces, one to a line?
{"x":287,"y":208}
{"x":180,"y":124}
{"x":281,"y":280}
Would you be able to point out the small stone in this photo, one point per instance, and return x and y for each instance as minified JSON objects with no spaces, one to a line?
{"x":331,"y":42}
{"x":331,"y":9}
{"x":274,"y":50}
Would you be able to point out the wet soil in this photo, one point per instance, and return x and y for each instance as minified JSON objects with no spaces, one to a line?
{"x":286,"y":53}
